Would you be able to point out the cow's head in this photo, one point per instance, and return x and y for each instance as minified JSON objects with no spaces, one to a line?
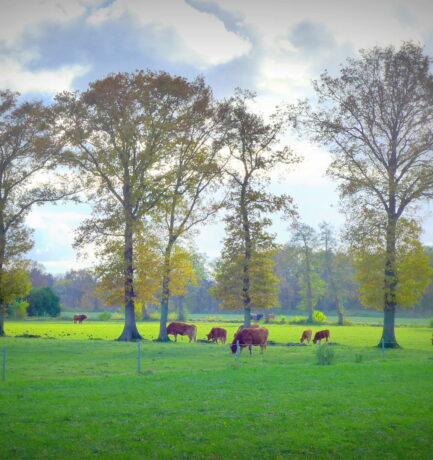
{"x":233,"y":347}
{"x":208,"y":336}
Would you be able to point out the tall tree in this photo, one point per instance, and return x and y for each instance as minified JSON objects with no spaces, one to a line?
{"x":377,"y":116}
{"x":330,"y":264}
{"x":120,"y":132}
{"x":194,"y":171}
{"x":254,"y":151}
{"x":312,"y":287}
{"x":27,"y":154}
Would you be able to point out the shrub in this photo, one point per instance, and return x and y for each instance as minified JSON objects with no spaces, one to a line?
{"x":325,"y":354}
{"x":105,"y":315}
{"x":117,"y":316}
{"x":18,"y":309}
{"x":283,"y":320}
{"x":299,"y":320}
{"x":172,"y":316}
{"x":319,"y":317}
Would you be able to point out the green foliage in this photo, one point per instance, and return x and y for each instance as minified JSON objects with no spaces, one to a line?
{"x":43,"y":301}
{"x":325,"y":354}
{"x":18,"y":309}
{"x":413,"y":271}
{"x":105,"y":315}
{"x":263,"y":281}
{"x":319,"y":317}
{"x":14,"y":282}
{"x":431,"y":322}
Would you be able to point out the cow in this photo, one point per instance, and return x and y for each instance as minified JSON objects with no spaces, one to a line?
{"x":79,"y":318}
{"x":318,"y":336}
{"x":217,"y":333}
{"x":249,"y":337}
{"x":257,"y":317}
{"x":306,"y":335}
{"x":252,"y":326}
{"x":177,"y":328}
{"x":268,"y":317}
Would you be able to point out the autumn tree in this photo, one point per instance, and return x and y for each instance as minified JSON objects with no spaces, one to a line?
{"x":28,"y":157}
{"x":120,"y":133}
{"x":194,"y":171}
{"x":254,"y":151}
{"x":377,"y":117}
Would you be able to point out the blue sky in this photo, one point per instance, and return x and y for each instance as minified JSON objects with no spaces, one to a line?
{"x":274,"y":48}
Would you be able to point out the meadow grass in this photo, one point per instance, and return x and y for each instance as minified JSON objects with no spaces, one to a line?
{"x":71,"y":397}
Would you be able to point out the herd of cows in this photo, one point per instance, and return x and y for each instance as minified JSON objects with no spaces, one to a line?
{"x":244,"y":337}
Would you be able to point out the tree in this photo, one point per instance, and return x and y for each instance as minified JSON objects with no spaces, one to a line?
{"x":331,"y":262}
{"x":377,"y":116}
{"x":43,"y":300}
{"x":193,"y":174}
{"x":263,"y":283}
{"x":412,"y":267}
{"x":312,"y":287}
{"x":253,"y":152}
{"x":28,"y":152}
{"x":120,"y":132}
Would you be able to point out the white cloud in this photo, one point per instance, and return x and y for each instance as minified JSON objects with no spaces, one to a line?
{"x":19,"y":16}
{"x":15,"y":76}
{"x":206,"y":42}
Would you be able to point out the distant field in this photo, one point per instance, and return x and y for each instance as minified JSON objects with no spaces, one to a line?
{"x":78,"y":395}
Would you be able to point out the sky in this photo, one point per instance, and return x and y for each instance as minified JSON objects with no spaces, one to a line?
{"x":273,"y":47}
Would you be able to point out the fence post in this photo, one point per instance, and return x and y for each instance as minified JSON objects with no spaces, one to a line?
{"x":238,"y":351}
{"x":139,"y":357}
{"x":4,"y":365}
{"x":383,"y":347}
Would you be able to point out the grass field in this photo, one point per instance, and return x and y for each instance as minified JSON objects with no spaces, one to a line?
{"x":71,"y":397}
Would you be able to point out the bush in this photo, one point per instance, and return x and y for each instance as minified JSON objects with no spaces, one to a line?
{"x":319,"y":317}
{"x":18,"y":309}
{"x":105,"y":315}
{"x":117,"y":316}
{"x":43,"y":300}
{"x":299,"y":320}
{"x":325,"y":354}
{"x":282,"y":320}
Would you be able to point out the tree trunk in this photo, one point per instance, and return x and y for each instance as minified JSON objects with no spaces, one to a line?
{"x":181,"y":309}
{"x":2,"y":321}
{"x":144,"y":313}
{"x":246,"y":298}
{"x":308,"y":292}
{"x":165,"y":296}
{"x":390,"y":283}
{"x":130,"y":332}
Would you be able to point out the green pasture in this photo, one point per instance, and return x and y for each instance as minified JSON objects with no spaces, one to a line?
{"x":76,"y":393}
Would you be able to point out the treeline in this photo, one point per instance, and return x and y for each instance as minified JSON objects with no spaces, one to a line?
{"x":80,"y":291}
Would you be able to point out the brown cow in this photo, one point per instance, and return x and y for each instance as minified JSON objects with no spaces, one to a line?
{"x":217,"y":333}
{"x":177,"y":328}
{"x":79,"y":318}
{"x":318,"y":336}
{"x":249,"y":337}
{"x":306,"y":335}
{"x":252,"y":326}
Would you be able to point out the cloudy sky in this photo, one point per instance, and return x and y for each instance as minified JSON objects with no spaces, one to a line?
{"x":274,"y":47}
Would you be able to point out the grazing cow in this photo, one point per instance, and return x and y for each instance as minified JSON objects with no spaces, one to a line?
{"x":318,"y":336}
{"x":252,"y":326}
{"x":217,"y":333}
{"x":79,"y":318}
{"x":306,"y":335}
{"x":249,"y":337}
{"x":177,"y":328}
